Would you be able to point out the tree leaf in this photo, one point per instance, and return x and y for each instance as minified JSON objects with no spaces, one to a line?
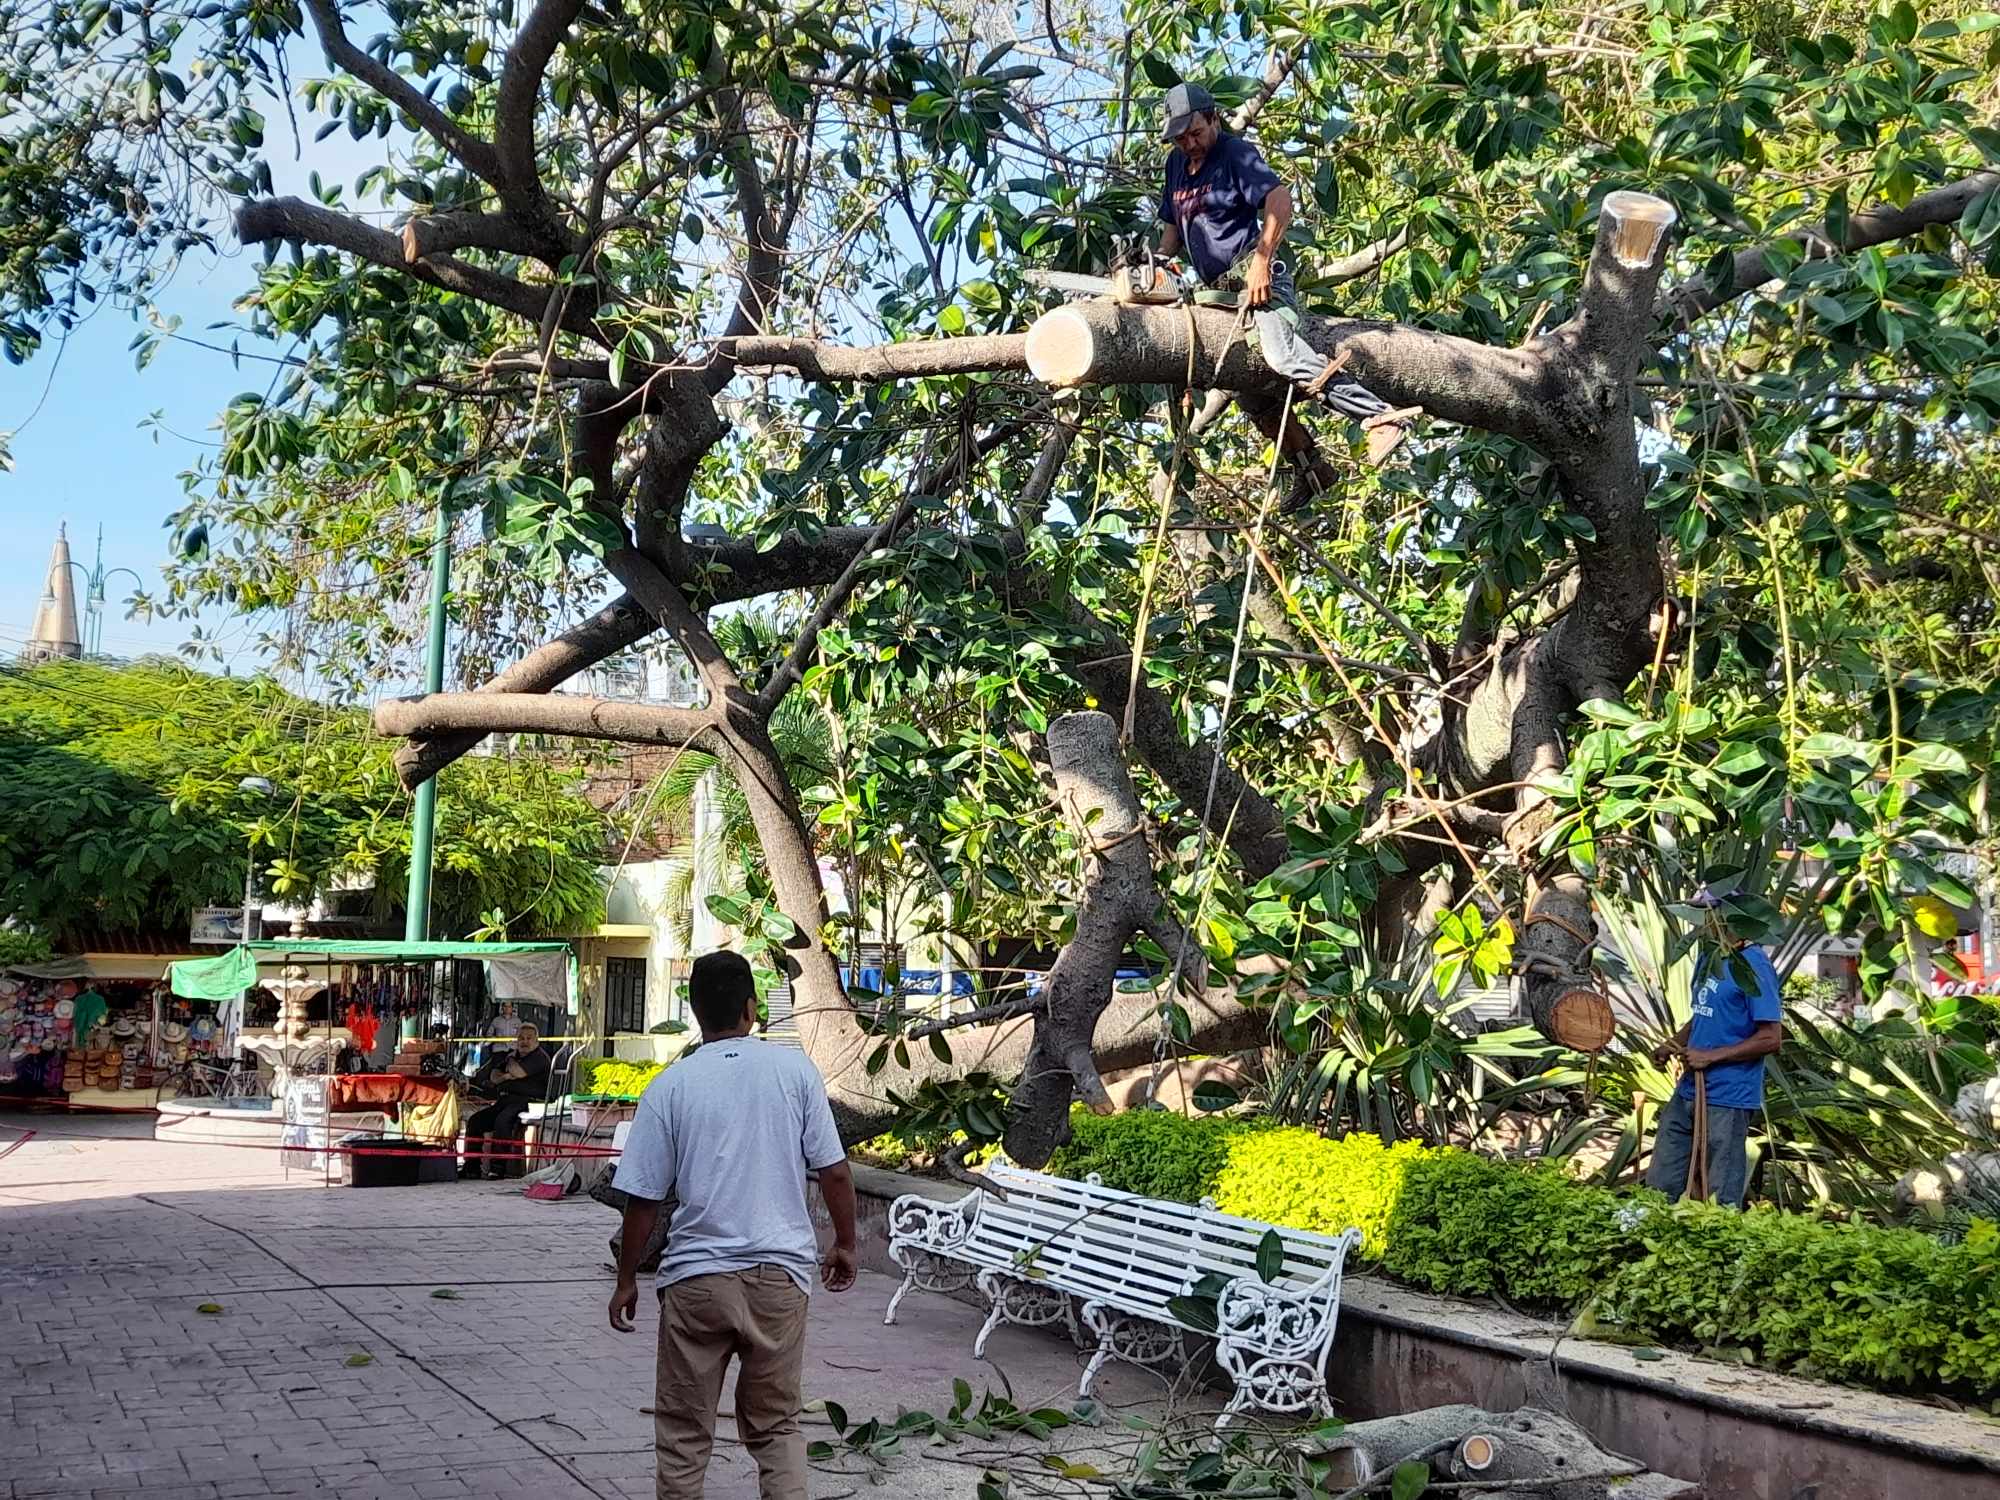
{"x":1211,"y":1094}
{"x":1270,"y":1256}
{"x":1410,"y":1481}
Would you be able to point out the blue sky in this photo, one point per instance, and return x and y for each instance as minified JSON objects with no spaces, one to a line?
{"x":81,"y":453}
{"x":85,"y":459}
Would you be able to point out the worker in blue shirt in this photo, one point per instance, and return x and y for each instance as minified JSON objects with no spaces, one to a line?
{"x":1737,"y":1023}
{"x":1224,"y":205}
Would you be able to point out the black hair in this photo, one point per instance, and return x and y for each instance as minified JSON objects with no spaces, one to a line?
{"x":719,"y":990}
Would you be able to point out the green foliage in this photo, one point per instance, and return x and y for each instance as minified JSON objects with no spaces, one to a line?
{"x":609,"y":1078}
{"x":1848,"y":1302}
{"x":1891,"y":1308}
{"x":1314,"y":1182}
{"x":1471,"y":1226}
{"x":1149,"y":1151}
{"x":120,"y":808}
{"x":17,"y":947}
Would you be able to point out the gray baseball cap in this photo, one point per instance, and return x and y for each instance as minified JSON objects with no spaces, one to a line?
{"x":1183,"y":102}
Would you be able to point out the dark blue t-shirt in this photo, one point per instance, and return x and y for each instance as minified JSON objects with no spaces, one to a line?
{"x":1217,"y":209}
{"x":1723,"y":1016}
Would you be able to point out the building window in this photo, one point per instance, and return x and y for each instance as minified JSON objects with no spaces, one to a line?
{"x":624,"y":996}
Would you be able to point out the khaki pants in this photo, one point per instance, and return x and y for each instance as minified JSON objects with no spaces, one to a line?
{"x":759,"y":1316}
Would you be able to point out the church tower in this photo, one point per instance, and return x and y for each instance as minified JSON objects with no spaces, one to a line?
{"x":55,"y":633}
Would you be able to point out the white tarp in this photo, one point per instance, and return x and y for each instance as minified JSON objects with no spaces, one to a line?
{"x":540,"y":978}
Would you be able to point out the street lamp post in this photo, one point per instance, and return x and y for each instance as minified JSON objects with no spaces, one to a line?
{"x":252,"y":920}
{"x":417,"y":908}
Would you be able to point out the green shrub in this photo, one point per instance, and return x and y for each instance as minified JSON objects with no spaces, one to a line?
{"x":1149,"y":1151}
{"x":1891,"y":1308}
{"x":1883,"y":1307}
{"x":1297,"y":1178}
{"x":1471,"y":1226}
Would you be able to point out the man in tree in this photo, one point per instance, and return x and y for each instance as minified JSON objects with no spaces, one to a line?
{"x":1736,"y":1024}
{"x":730,"y":1132}
{"x":1227,"y":208}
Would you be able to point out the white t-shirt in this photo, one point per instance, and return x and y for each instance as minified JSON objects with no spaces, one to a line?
{"x":730,"y":1131}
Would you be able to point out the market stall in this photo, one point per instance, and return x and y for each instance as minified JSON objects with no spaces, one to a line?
{"x":70,"y":1036}
{"x":366,"y":1039}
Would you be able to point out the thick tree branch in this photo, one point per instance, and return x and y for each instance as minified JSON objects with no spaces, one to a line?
{"x":1118,"y":898}
{"x":341,"y":54}
{"x":724,"y":571}
{"x":427,"y":235}
{"x":1876,"y":226}
{"x":1107,"y":343}
{"x":521,"y":88}
{"x":617,"y":627}
{"x":757,"y":291}
{"x":261,"y":219}
{"x":816,"y":360}
{"x":543,"y":713}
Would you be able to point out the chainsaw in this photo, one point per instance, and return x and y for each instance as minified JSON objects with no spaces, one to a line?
{"x":1142,"y":278}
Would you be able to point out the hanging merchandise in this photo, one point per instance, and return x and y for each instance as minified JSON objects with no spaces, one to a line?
{"x":89,"y":1008}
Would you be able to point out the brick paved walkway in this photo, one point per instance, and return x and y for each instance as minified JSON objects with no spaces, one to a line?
{"x":114,"y":1383}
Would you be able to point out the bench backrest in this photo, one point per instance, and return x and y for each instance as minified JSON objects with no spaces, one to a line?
{"x":1133,"y":1253}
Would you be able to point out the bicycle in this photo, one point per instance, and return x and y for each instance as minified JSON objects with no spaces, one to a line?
{"x":199,"y":1079}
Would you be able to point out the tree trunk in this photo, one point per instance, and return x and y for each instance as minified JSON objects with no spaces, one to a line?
{"x":1117,"y":898}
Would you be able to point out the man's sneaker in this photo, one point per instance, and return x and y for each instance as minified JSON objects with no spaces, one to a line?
{"x":1387,"y":431}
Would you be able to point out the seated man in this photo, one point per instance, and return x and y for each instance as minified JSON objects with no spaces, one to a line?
{"x":513,"y":1079}
{"x":1224,"y":205}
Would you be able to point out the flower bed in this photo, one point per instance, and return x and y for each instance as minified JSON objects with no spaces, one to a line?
{"x":1889,"y":1308}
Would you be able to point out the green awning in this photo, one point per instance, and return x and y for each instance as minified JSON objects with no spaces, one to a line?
{"x":228,"y":975}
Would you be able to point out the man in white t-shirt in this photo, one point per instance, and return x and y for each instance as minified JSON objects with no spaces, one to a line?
{"x":729,"y":1133}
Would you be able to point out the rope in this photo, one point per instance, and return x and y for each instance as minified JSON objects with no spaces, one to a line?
{"x":1152,"y":570}
{"x":1697,"y":1183}
{"x":1556,"y":921}
{"x":1222,"y":728}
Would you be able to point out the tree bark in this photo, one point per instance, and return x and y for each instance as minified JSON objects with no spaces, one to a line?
{"x":1117,"y":897}
{"x":484,"y":713}
{"x":1108,"y":343}
{"x":1527,"y":1452}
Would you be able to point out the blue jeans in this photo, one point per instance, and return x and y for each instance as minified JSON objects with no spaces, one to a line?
{"x":1728,"y":1151}
{"x":1278,"y":342}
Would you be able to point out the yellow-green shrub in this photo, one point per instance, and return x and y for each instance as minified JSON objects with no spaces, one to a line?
{"x":1309,"y":1182}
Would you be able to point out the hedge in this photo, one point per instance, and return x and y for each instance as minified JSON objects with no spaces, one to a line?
{"x":1893,"y":1309}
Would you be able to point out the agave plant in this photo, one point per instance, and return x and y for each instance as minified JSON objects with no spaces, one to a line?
{"x":1384,"y":1056}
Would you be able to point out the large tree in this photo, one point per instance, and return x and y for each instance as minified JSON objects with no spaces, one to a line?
{"x":726,"y":300}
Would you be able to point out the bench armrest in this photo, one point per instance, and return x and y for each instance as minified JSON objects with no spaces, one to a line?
{"x":1287,"y":1322}
{"x":925,"y":1224}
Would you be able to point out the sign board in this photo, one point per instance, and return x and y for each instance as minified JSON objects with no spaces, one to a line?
{"x":216,"y":924}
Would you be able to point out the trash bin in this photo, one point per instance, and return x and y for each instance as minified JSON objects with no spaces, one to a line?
{"x":382,"y":1162}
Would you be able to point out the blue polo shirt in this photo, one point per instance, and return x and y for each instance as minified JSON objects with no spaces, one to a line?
{"x":1725,"y":1015}
{"x":1218,"y":209}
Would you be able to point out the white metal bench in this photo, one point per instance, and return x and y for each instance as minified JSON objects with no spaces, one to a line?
{"x":1124,"y":1260}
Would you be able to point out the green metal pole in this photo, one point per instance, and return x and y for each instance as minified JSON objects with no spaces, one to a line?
{"x":417,"y":918}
